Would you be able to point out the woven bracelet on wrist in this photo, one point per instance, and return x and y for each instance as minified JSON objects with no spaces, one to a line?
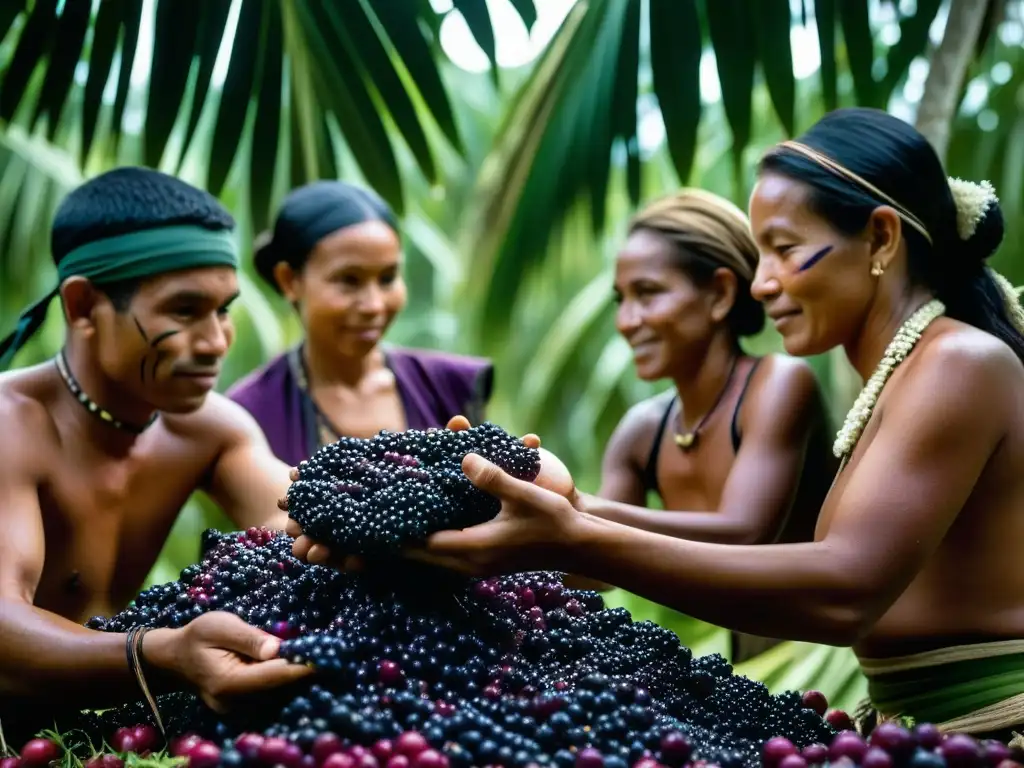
{"x":133,"y":648}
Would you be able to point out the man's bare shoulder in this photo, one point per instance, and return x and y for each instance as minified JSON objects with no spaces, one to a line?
{"x":26,"y":413}
{"x":219,"y":419}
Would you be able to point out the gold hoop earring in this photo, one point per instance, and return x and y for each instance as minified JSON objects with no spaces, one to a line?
{"x":877,"y":270}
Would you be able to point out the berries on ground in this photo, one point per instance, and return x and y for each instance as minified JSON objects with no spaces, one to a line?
{"x":421,"y":668}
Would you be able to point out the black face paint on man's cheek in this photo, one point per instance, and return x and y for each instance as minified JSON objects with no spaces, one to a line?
{"x":158,"y":356}
{"x":142,"y":360}
{"x":815,"y":258}
{"x":138,"y":325}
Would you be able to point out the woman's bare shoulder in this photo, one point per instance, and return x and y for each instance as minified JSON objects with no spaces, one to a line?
{"x":645,"y":416}
{"x":979,"y":367}
{"x":783,"y":383}
{"x":781,"y":370}
{"x":638,"y":425}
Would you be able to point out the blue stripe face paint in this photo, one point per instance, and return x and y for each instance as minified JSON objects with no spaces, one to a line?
{"x":815,"y":258}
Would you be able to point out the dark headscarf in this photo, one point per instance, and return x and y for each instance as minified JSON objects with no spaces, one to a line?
{"x":308,"y":215}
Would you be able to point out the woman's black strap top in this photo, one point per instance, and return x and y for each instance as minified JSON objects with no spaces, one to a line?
{"x":651,"y":468}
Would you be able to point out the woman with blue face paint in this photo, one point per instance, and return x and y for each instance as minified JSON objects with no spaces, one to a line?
{"x":916,"y":557}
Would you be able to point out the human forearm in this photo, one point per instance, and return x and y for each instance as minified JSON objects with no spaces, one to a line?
{"x":42,"y":654}
{"x":792,"y":591}
{"x":573,"y":581}
{"x":713,"y":527}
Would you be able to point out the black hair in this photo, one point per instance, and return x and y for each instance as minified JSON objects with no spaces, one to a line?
{"x":309,"y":214}
{"x":894,"y":157}
{"x":130,"y":199}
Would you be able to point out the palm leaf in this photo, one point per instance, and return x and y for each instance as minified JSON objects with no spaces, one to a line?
{"x":34,"y":175}
{"x":575,"y":118}
{"x":355,"y":65}
{"x":988,"y":143}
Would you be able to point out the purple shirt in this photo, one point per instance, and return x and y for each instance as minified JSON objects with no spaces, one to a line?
{"x":433,"y":386}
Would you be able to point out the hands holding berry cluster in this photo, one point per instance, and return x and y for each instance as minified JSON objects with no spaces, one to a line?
{"x":223,"y":656}
{"x":536,"y":522}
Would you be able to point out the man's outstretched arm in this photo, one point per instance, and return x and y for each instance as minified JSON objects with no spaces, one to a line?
{"x":247,"y":480}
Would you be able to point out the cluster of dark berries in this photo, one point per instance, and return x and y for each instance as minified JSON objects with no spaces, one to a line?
{"x":471,"y":736}
{"x":251,"y":574}
{"x":373,"y":496}
{"x":419,"y":668}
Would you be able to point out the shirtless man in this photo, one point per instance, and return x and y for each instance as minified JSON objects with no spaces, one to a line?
{"x":916,"y":561}
{"x":104,"y":445}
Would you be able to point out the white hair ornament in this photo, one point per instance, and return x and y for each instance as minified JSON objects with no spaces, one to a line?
{"x":972,"y":199}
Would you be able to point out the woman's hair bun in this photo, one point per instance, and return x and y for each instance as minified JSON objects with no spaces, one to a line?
{"x":265,"y":257}
{"x":988,"y":234}
{"x":746,"y":318}
{"x":978,"y":218}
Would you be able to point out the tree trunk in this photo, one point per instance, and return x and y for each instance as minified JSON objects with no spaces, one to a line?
{"x":947,"y":70}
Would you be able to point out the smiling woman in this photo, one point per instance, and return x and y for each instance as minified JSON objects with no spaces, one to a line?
{"x":336,"y":255}
{"x":737,"y":450}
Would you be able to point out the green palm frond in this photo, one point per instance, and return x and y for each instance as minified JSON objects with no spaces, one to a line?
{"x":297,"y":74}
{"x":577,"y":117}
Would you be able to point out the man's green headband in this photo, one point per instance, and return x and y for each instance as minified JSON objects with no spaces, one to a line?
{"x":134,"y":256}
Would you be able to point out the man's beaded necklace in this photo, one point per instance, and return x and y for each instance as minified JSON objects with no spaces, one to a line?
{"x":91,"y":405}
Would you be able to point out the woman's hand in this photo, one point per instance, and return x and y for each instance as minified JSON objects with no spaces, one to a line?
{"x":553,"y":473}
{"x":535,"y":530}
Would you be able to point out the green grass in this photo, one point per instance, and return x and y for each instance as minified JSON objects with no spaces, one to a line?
{"x":76,"y":749}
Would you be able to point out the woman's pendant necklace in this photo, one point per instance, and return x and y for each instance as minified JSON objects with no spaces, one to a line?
{"x":687,"y":440}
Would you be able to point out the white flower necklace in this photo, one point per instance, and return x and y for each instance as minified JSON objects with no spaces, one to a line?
{"x":902,"y":343}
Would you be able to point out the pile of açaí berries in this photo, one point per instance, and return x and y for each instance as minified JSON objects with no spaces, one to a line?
{"x":417,"y":668}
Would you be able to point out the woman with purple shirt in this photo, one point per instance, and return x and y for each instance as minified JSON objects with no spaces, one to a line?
{"x":335,"y":253}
